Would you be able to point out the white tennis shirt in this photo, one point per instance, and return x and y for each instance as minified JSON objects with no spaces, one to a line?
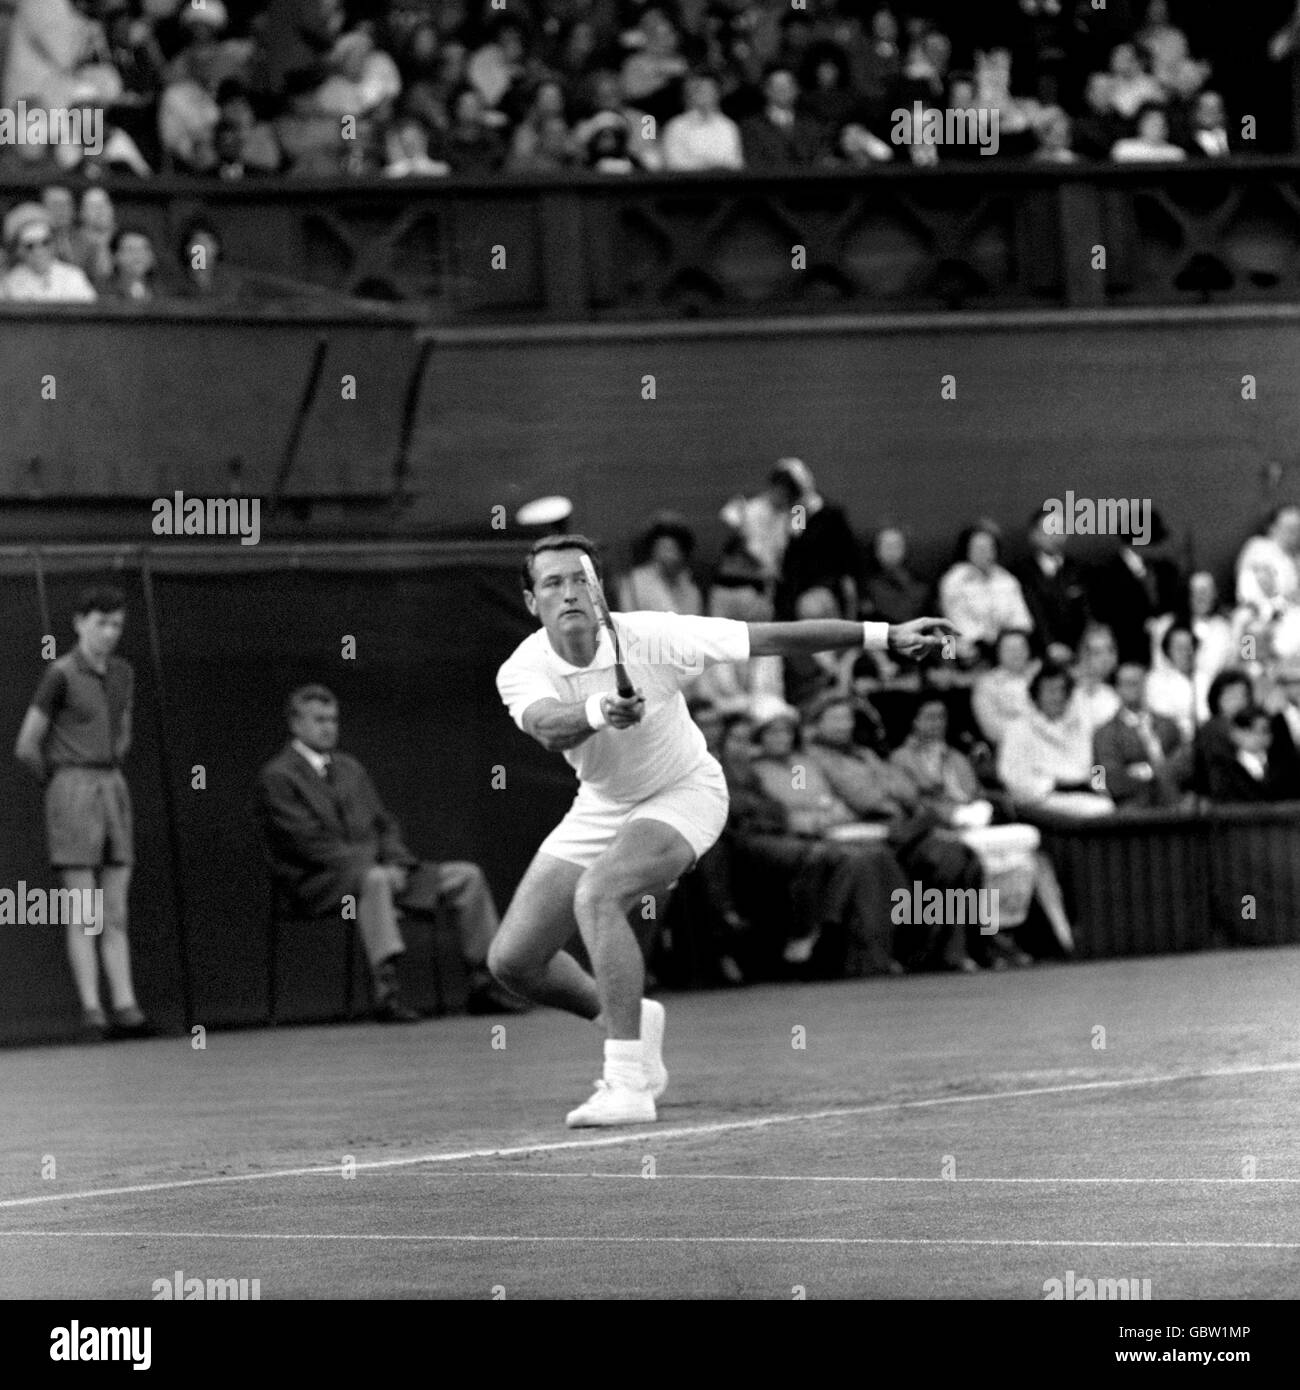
{"x":662,"y":652}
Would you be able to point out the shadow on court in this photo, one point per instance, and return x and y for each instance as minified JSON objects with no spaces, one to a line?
{"x":960,"y":1137}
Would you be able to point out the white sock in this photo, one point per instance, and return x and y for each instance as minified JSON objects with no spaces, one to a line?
{"x":623,"y":1062}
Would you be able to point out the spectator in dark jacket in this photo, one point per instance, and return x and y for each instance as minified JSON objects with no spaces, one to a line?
{"x":1137,"y":584}
{"x":1230,"y":692}
{"x":1249,"y":770}
{"x":781,"y":137}
{"x":1054,"y":590}
{"x":821,"y":552}
{"x":329,"y":839}
{"x":1143,"y":756}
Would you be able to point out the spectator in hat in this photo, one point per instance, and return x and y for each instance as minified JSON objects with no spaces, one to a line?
{"x":35,"y":274}
{"x":633,"y":132}
{"x":662,"y":582}
{"x":813,"y":810}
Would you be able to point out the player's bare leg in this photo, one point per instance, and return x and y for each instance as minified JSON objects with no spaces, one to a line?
{"x":645,"y":856}
{"x":527,"y":954}
{"x":82,"y":954}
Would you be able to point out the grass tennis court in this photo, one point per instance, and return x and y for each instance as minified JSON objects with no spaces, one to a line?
{"x":937,"y":1136}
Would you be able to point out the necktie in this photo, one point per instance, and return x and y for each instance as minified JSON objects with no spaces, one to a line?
{"x":1149,"y":740}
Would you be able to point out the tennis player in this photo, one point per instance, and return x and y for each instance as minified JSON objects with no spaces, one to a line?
{"x":650,"y":798}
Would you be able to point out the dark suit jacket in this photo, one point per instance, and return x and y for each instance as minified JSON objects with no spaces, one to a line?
{"x":770,"y":147}
{"x":1120,"y":600}
{"x":320,"y":839}
{"x":1116,"y":746}
{"x":1059,"y":606}
{"x":1229,"y":781}
{"x":1214,"y":749}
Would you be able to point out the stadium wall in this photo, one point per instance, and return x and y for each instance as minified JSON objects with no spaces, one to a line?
{"x":1107,"y":405}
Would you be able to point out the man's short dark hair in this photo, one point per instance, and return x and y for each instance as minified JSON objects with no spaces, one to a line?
{"x":314,"y":694}
{"x":1049,"y":672}
{"x":1224,"y":681}
{"x":1167,"y":641}
{"x":566,"y":542}
{"x":100,"y":598}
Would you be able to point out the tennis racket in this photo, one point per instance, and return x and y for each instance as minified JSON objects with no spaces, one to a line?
{"x":621,"y":678}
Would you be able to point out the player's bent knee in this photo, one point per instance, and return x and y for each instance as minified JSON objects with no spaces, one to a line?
{"x":597,"y":891}
{"x":508,"y":967}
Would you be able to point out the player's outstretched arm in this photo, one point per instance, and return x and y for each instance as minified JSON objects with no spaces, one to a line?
{"x":913,"y":640}
{"x":561,"y":724}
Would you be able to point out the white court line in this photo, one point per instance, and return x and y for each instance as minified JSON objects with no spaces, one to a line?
{"x":504,"y":1175}
{"x":465,"y":1239}
{"x":646,"y":1135}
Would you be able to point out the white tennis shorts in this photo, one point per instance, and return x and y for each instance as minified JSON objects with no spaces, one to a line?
{"x":695,"y":806}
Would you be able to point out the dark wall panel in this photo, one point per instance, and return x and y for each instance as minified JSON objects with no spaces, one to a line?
{"x":1104,"y":410}
{"x":419,"y":709}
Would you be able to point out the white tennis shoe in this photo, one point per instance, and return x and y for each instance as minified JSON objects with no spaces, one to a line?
{"x":614,"y":1104}
{"x":653,"y":1020}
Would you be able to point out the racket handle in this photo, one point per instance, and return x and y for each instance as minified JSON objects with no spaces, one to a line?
{"x":625,"y":687}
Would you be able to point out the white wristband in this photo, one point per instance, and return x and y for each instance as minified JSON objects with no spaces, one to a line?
{"x":875,"y":637}
{"x":595,"y":713}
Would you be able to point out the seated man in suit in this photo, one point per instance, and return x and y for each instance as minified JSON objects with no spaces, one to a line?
{"x":1142,"y":754}
{"x":1251,"y":771}
{"x":330,"y":837}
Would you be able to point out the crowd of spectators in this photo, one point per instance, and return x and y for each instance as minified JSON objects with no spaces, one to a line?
{"x":1074,"y":691}
{"x":70,"y":248}
{"x":322,"y":89}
